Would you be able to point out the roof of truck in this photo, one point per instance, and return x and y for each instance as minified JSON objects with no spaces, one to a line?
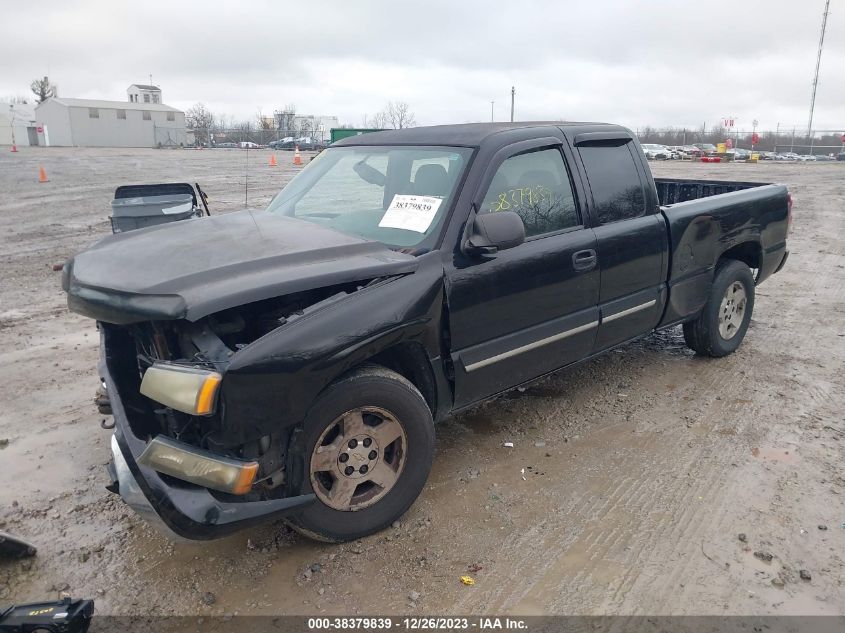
{"x":465,"y":134}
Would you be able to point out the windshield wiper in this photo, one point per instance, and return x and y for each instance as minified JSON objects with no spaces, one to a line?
{"x":318,"y":215}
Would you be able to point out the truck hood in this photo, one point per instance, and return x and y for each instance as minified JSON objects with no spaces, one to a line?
{"x":192,"y":268}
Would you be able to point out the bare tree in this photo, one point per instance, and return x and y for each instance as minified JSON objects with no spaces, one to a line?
{"x":399,"y":115}
{"x":17,"y":99}
{"x":43,"y":89}
{"x":396,"y":115}
{"x":379,"y":120}
{"x":264,"y":122}
{"x":305,"y":127}
{"x":200,"y":120}
{"x":243,"y":130}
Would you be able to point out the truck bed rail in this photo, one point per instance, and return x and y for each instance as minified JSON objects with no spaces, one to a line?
{"x":672,"y":190}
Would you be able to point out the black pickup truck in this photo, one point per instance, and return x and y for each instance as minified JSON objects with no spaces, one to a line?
{"x":291,"y":362}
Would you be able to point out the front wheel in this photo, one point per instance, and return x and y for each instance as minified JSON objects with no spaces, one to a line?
{"x":369,"y":441}
{"x":722,"y":324}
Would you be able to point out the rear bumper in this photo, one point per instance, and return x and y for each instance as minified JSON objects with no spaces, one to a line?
{"x":179,"y":509}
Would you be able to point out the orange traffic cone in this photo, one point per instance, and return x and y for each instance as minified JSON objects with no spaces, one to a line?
{"x":42,"y":175}
{"x":14,"y":147}
{"x":297,"y":159}
{"x":273,"y":160}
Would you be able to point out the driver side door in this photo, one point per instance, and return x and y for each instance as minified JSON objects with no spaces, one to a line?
{"x":530,"y":309}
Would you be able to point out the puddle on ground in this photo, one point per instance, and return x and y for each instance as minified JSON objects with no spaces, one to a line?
{"x":776,"y":454}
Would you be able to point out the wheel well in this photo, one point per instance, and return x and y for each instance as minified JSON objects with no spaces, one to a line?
{"x":410,"y":361}
{"x":748,"y":252}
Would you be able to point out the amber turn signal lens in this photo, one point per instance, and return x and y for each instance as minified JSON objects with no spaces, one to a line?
{"x":187,"y":389}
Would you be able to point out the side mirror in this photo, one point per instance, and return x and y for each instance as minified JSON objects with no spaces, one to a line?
{"x":493,"y":232}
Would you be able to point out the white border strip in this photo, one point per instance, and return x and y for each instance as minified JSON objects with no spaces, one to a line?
{"x":624,"y":313}
{"x":525,"y":348}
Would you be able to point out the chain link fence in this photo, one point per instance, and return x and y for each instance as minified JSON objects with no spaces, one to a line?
{"x":781,"y":139}
{"x":285,"y":139}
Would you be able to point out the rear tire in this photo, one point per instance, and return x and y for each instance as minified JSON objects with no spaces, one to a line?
{"x":369,"y":446}
{"x":722,"y":324}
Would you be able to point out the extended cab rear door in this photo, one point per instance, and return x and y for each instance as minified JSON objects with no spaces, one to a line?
{"x":530,"y":309}
{"x":632,"y":241}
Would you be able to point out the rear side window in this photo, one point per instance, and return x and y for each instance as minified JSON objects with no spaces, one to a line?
{"x":615,"y":182}
{"x":536,"y":186}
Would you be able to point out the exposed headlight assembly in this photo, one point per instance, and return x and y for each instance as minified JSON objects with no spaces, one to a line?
{"x":197,"y":466}
{"x":185,"y":389}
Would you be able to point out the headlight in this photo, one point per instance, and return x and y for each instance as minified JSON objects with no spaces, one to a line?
{"x":197,"y":466}
{"x":185,"y":389}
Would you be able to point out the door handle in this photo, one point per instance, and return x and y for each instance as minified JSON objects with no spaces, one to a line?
{"x":584,"y":260}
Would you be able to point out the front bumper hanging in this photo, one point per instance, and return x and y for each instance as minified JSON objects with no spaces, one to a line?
{"x":179,"y":509}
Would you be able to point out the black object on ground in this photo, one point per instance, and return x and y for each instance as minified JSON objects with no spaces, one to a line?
{"x":64,"y":616}
{"x":13,"y":547}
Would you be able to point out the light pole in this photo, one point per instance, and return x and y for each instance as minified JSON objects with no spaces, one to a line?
{"x":491,"y":111}
{"x":818,"y":63}
{"x":513,"y":93}
{"x":12,"y":123}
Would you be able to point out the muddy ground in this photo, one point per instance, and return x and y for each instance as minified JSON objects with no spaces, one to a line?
{"x":641,"y":468}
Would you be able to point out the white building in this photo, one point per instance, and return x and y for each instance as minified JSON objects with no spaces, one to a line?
{"x":315,"y":126}
{"x":97,"y":123}
{"x":140,"y":93}
{"x":17,"y":122}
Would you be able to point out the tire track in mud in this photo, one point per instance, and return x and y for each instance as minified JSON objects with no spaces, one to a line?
{"x":543,"y":580}
{"x":767,"y":407}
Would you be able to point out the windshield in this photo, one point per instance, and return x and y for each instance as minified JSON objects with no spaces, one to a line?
{"x":395,"y":195}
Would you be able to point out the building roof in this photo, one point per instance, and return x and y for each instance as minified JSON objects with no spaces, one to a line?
{"x":23,"y":111}
{"x":463,"y":134}
{"x":145,"y":87}
{"x":117,"y":105}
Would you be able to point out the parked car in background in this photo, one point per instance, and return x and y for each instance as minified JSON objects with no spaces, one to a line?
{"x":226,"y":145}
{"x":766,"y":155}
{"x":310,"y":143}
{"x":691,"y":150}
{"x":840,"y":156}
{"x":786,"y":156}
{"x":282,"y":143}
{"x":824,"y":157}
{"x":706,"y":148}
{"x":249,"y":145}
{"x":652,"y":151}
{"x":739,"y":153}
{"x":807,"y":158}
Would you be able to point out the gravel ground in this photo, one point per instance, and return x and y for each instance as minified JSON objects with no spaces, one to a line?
{"x":655,"y":482}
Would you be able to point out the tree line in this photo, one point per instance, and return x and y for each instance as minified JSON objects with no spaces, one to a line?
{"x":262,"y":128}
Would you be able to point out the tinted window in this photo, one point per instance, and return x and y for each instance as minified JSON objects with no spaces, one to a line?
{"x":615,"y":181}
{"x":536,"y":186}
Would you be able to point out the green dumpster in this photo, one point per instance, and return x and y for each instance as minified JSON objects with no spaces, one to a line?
{"x":338,"y":133}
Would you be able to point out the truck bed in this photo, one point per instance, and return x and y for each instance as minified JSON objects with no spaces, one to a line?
{"x":673,"y":190}
{"x":709,"y":219}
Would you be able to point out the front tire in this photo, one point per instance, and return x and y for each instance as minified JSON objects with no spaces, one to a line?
{"x":722,"y":324}
{"x":369,"y":446}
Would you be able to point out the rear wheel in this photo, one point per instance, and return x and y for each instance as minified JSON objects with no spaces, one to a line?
{"x":369,"y":441}
{"x":722,"y":324}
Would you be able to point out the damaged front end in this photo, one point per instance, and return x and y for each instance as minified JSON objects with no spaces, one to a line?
{"x":187,"y":457}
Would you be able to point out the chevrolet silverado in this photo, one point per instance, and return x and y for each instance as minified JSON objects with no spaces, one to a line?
{"x":292,"y":362}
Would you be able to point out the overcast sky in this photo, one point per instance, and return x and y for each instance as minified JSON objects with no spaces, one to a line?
{"x":657,"y":62}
